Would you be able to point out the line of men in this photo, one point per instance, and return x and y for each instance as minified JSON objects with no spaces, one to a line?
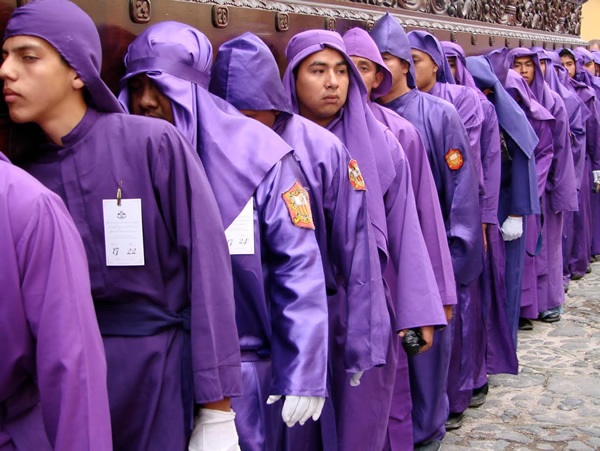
{"x":332,"y":260}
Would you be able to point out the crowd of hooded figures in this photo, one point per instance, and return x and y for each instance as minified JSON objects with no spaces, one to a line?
{"x":219,"y":258}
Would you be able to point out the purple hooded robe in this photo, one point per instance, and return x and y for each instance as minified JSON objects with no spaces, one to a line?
{"x":518,"y":196}
{"x":169,"y":330}
{"x":576,"y":246}
{"x":560,"y":193}
{"x":53,"y":374}
{"x":443,"y":134}
{"x":246,"y":75}
{"x":467,"y":331}
{"x":587,"y":85}
{"x":362,"y":412}
{"x":281,"y":285}
{"x":541,"y":121}
{"x":491,"y":324}
{"x":359,"y":43}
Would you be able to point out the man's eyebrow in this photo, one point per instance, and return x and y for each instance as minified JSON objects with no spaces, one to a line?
{"x":22,"y":48}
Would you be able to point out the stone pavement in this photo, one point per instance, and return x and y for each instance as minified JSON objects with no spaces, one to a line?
{"x":554,"y":401}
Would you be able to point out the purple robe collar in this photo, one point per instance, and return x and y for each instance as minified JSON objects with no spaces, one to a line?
{"x":73,"y":34}
{"x":519,"y":90}
{"x":245,"y":74}
{"x":426,"y":42}
{"x":178,"y":59}
{"x":359,"y":43}
{"x":389,"y":36}
{"x":510,"y":116}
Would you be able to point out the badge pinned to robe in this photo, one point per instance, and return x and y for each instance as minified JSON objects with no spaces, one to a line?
{"x":298,"y":204}
{"x":454,"y":159}
{"x":356,"y":178}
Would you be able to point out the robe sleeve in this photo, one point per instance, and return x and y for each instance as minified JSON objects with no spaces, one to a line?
{"x":592,"y":138}
{"x":413,"y":286}
{"x":471,"y":113}
{"x":490,"y":164}
{"x":521,"y":178}
{"x":190,"y":210}
{"x":562,"y":184}
{"x":296,"y":288}
{"x":354,"y":252}
{"x":459,"y":197}
{"x":543,"y":154}
{"x":70,"y":361}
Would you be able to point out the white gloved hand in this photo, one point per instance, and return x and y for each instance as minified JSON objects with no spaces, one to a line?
{"x":512,"y":228}
{"x":596,"y":176}
{"x":214,"y":430}
{"x":355,"y":379}
{"x":298,"y":409}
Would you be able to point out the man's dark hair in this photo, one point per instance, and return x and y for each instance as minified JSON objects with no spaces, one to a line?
{"x":565,"y":52}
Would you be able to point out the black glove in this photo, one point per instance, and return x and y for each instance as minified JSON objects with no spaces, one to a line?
{"x":413,"y":341}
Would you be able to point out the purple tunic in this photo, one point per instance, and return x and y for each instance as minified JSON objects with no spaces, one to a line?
{"x":457,"y":191}
{"x":518,"y":196}
{"x":155,"y":369}
{"x":560,"y":192}
{"x":52,"y":385}
{"x":280,"y":285}
{"x":413,"y":303}
{"x":178,"y":213}
{"x":339,"y":210}
{"x":491,"y":321}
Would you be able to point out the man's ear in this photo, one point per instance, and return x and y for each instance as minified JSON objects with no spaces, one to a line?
{"x":435,"y":68}
{"x":76,"y":82}
{"x":405,"y":67}
{"x":378,"y":78}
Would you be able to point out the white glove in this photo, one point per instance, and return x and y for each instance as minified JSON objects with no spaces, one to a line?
{"x":596,"y":176}
{"x":214,"y":430}
{"x":355,"y":379}
{"x":512,"y":228}
{"x":298,"y":409}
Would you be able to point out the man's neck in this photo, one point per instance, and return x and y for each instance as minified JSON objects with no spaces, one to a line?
{"x":63,"y":122}
{"x":397,"y":91}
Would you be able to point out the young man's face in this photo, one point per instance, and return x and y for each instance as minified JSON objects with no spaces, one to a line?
{"x":322,"y":85}
{"x":543,"y":66}
{"x":569,"y":64}
{"x":452,"y":64}
{"x":396,"y":66}
{"x":525,"y":66}
{"x":372,"y":77}
{"x":425,"y":70}
{"x":39,"y":86}
{"x":589,"y":66}
{"x":145,"y":99}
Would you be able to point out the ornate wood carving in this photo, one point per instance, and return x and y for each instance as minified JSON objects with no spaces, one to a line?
{"x":556,"y":21}
{"x":220,"y":16}
{"x":282,"y":21}
{"x":139,"y":11}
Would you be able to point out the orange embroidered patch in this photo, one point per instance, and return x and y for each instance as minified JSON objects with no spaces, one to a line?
{"x":298,"y":204}
{"x":356,"y":178}
{"x":454,"y":159}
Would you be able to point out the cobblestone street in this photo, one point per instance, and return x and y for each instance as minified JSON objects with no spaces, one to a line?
{"x":554,"y":401}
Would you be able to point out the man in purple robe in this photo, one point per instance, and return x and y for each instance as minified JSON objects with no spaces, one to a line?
{"x":245,"y":74}
{"x":378,"y":80}
{"x":447,"y":145}
{"x":159,"y":267}
{"x":281,"y":305}
{"x":518,"y":198}
{"x":560,"y":193}
{"x":53,"y":373}
{"x":584,"y":76}
{"x":490,"y":321}
{"x":325,"y":87}
{"x":576,"y":240}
